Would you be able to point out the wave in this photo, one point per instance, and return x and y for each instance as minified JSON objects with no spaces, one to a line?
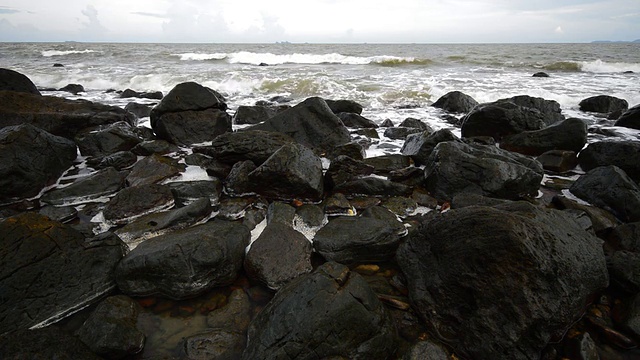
{"x":569,"y":66}
{"x":200,"y":57}
{"x":596,"y":66}
{"x":391,"y":61}
{"x":50,"y":53}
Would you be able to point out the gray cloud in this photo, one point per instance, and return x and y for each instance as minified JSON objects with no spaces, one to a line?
{"x":148,"y":14}
{"x":8,"y":10}
{"x":93,"y":27}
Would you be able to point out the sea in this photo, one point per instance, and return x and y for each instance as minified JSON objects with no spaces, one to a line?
{"x":391,"y":81}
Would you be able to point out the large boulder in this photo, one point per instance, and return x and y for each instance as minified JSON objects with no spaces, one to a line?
{"x":373,"y":186}
{"x":340,"y":106}
{"x":500,"y":119}
{"x":500,"y":283}
{"x":132,"y":202}
{"x":454,"y":168}
{"x":255,"y":114}
{"x":357,"y":121}
{"x":100,"y":142}
{"x":59,"y":116}
{"x":550,"y":109}
{"x":419,"y":146}
{"x":102,"y":183}
{"x":330,"y":313}
{"x":623,"y":154}
{"x":253,"y":145}
{"x":50,"y":271}
{"x":630,"y":118}
{"x":185,"y":263}
{"x":14,"y":81}
{"x":30,"y":159}
{"x":153,"y":95}
{"x":343,"y":169}
{"x":610,"y":188}
{"x":570,"y":134}
{"x":603,"y":104}
{"x":190,"y":113}
{"x":455,"y":102}
{"x":48,"y":343}
{"x":311,"y":123}
{"x":293,"y":171}
{"x":153,"y":169}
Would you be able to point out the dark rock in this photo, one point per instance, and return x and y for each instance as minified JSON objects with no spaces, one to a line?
{"x":351,"y":149}
{"x":282,"y":213}
{"x":58,"y":65}
{"x":541,"y":74}
{"x":139,"y":110}
{"x":256,"y":146}
{"x":256,"y":114}
{"x":192,"y":127}
{"x":310,"y":215}
{"x":353,"y":120}
{"x":480,"y":140}
{"x":401,"y":206}
{"x":388,"y":163}
{"x":550,"y":109}
{"x":59,"y":116}
{"x":110,"y":330}
{"x":358,"y":239}
{"x":570,"y":134}
{"x":623,"y":154}
{"x":387,"y":123}
{"x":348,"y":106}
{"x":291,"y":172}
{"x":119,"y":160}
{"x":624,"y":269}
{"x":187,"y":192}
{"x":133,"y":202}
{"x":400,"y":133}
{"x":235,"y":208}
{"x":331,"y":312}
{"x":280,"y":99}
{"x":154,"y":95}
{"x":425,"y":350}
{"x":558,"y":161}
{"x":455,"y":102}
{"x":416,"y":124}
{"x":73,"y":88}
{"x":411,"y":176}
{"x":632,"y":320}
{"x":188,"y":96}
{"x":186,"y":262}
{"x":48,"y":343}
{"x":212,"y":166}
{"x":158,"y":223}
{"x":423,"y":198}
{"x":153,"y":169}
{"x":99,"y":142}
{"x":235,"y":316}
{"x":603,"y":104}
{"x":467,"y":199}
{"x":500,"y":283}
{"x":49,"y":271}
{"x":337,"y":204}
{"x":61,"y":214}
{"x":610,"y":188}
{"x":237,"y":183}
{"x":626,"y":237}
{"x":88,"y":189}
{"x":454,"y":168}
{"x":500,"y":119}
{"x":630,"y":118}
{"x":372,"y":186}
{"x":419,"y":146}
{"x":311,"y":123}
{"x":14,"y":81}
{"x":214,"y":344}
{"x":151,"y":147}
{"x":279,"y":255}
{"x":602,"y":221}
{"x":30,"y":159}
{"x":344,"y":168}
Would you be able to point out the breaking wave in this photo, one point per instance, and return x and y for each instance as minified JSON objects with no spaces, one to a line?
{"x":50,"y":53}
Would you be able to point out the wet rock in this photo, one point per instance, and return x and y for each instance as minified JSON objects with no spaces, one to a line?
{"x":59,"y":116}
{"x":186,"y":262}
{"x":153,"y":169}
{"x":158,"y":223}
{"x":411,"y":176}
{"x":352,"y":120}
{"x":388,"y":163}
{"x":235,"y":208}
{"x":602,"y":221}
{"x":212,"y":166}
{"x":154,"y":95}
{"x":279,"y":255}
{"x":30,"y":159}
{"x":632,"y":319}
{"x":187,"y":192}
{"x":400,"y":133}
{"x":49,"y":271}
{"x":401,"y":206}
{"x":256,"y":114}
{"x":342,"y":106}
{"x":351,"y":149}
{"x":110,"y":330}
{"x":253,"y":145}
{"x":610,"y":188}
{"x":550,"y":109}
{"x":139,"y":110}
{"x":310,"y":215}
{"x":624,"y":269}
{"x":416,"y":124}
{"x":235,"y":316}
{"x":133,"y":202}
{"x":337,"y":204}
{"x":570,"y":134}
{"x":500,"y":119}
{"x":626,"y":237}
{"x":559,"y":161}
{"x":237,"y":183}
{"x":344,"y":168}
{"x":214,"y":344}
{"x":282,"y":213}
{"x":623,"y":154}
{"x":499,"y":283}
{"x":303,"y":318}
{"x":61,"y":214}
{"x":455,"y":102}
{"x":311,"y":123}
{"x":372,"y":186}
{"x":387,"y":123}
{"x":603,"y":104}
{"x":358,"y":239}
{"x":541,"y":74}
{"x":423,"y":198}
{"x":419,"y":146}
{"x":11,"y":80}
{"x":467,"y":199}
{"x":100,"y":142}
{"x":426,"y":350}
{"x":102,"y":183}
{"x":454,"y":168}
{"x":119,"y":160}
{"x":291,"y":172}
{"x":189,"y":96}
{"x":75,"y":89}
{"x":151,"y":147}
{"x":48,"y":343}
{"x":630,"y":118}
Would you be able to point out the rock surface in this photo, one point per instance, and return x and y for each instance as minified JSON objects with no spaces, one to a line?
{"x":153,"y":169}
{"x":455,"y":102}
{"x":623,"y":154}
{"x":570,"y":135}
{"x":500,"y":119}
{"x":254,"y":145}
{"x":419,"y":146}
{"x":550,"y":109}
{"x":630,"y":118}
{"x":603,"y":104}
{"x":48,"y":343}
{"x":105,"y":141}
{"x":101,"y":183}
{"x":133,"y":202}
{"x":11,"y":80}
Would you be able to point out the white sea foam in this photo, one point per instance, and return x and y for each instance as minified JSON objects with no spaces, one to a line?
{"x":200,"y":57}
{"x":49,"y":53}
{"x":599,"y":66}
{"x":253,"y":58}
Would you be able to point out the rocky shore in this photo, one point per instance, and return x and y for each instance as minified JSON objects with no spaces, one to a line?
{"x":281,"y":240}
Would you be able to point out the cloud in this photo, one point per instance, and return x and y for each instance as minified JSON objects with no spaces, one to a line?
{"x":559,"y":30}
{"x":93,"y":27}
{"x":148,"y":14}
{"x":8,"y":10}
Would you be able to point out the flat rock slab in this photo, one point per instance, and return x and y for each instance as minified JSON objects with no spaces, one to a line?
{"x":132,"y":202}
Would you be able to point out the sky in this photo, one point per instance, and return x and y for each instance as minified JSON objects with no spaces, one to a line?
{"x":320,"y":21}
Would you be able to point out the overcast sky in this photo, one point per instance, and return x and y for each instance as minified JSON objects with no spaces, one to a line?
{"x":326,"y":21}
